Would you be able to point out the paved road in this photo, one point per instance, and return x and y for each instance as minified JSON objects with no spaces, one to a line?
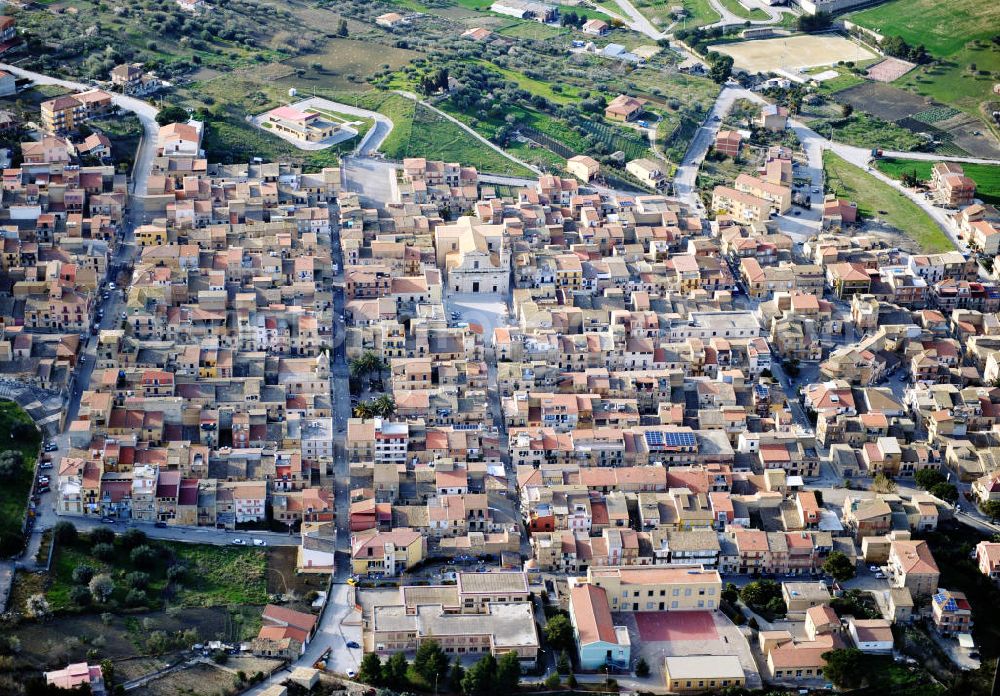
{"x":704,"y":137}
{"x":470,"y":131}
{"x":340,"y":622}
{"x":144,"y":110}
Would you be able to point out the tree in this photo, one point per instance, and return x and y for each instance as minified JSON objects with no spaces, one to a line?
{"x":571,"y":681}
{"x":137,"y":580}
{"x":101,"y":535}
{"x":101,"y":586}
{"x":839,"y":566}
{"x":384,"y":406}
{"x":135,"y":598}
{"x":553,"y":681}
{"x":143,"y":556}
{"x":456,"y":675}
{"x":394,"y":671}
{"x":83,"y":573}
{"x":342,"y":28}
{"x":365,"y":364}
{"x":563,"y":664}
{"x":845,"y":668}
{"x":172,"y":114}
{"x":846,"y":110}
{"x":928,"y":478}
{"x":991,"y":508}
{"x":64,"y":532}
{"x":508,"y":673}
{"x":365,"y":409}
{"x":133,"y":538}
{"x":721,"y":67}
{"x":479,"y":679}
{"x":80,"y":596}
{"x":883,"y":484}
{"x":108,"y":672}
{"x":104,"y":552}
{"x":559,"y":632}
{"x":758,"y":593}
{"x":370,"y":671}
{"x":37,"y":607}
{"x":430,"y":662}
{"x":642,"y":668}
{"x":947,"y":492}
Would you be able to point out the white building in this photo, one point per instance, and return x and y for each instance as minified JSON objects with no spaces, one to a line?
{"x":475,"y":257}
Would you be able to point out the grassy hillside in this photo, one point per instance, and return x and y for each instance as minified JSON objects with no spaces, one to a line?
{"x":873,"y":197}
{"x":987,"y":177}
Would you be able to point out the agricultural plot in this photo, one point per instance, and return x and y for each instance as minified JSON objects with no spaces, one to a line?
{"x":951,"y":130}
{"x":959,"y":35}
{"x":343,"y":64}
{"x":792,"y":53}
{"x":615,"y":138}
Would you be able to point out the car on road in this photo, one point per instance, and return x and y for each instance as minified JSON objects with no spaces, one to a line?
{"x":107,"y":520}
{"x":43,"y":479}
{"x":111,"y":286}
{"x":815,"y":189}
{"x":353,"y":644}
{"x":160,"y":524}
{"x":51,"y":447}
{"x":239,"y":542}
{"x":880,"y":575}
{"x":259,"y":542}
{"x":873,"y":569}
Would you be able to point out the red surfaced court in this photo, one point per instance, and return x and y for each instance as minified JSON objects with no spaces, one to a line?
{"x":676,"y":625}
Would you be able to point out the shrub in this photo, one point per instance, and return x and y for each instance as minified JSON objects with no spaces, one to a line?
{"x":133,"y":538}
{"x":80,"y":596}
{"x":104,"y":552}
{"x":102,"y":535}
{"x":553,"y":681}
{"x":135,"y":598}
{"x":82,"y":574}
{"x":101,"y":586}
{"x":142,"y":556}
{"x":137,"y":580}
{"x":64,"y":532}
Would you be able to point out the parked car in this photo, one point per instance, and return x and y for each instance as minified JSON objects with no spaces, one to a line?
{"x":259,"y":542}
{"x":239,"y":542}
{"x":160,"y":524}
{"x":45,"y":465}
{"x":353,"y":644}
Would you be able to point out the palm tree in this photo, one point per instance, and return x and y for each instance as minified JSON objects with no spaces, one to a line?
{"x":367,"y":363}
{"x":364,"y":410}
{"x":384,"y":406}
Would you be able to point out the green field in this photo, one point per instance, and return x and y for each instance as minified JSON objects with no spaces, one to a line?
{"x":23,"y":437}
{"x":943,"y":27}
{"x":872,"y":196}
{"x":214,"y":575}
{"x":565,"y":95}
{"x":987,"y":177}
{"x":434,"y":137}
{"x":862,"y":130}
{"x":958,"y":34}
{"x":737,"y":8}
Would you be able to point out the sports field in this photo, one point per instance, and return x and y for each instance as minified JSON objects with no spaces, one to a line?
{"x":793,"y":52}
